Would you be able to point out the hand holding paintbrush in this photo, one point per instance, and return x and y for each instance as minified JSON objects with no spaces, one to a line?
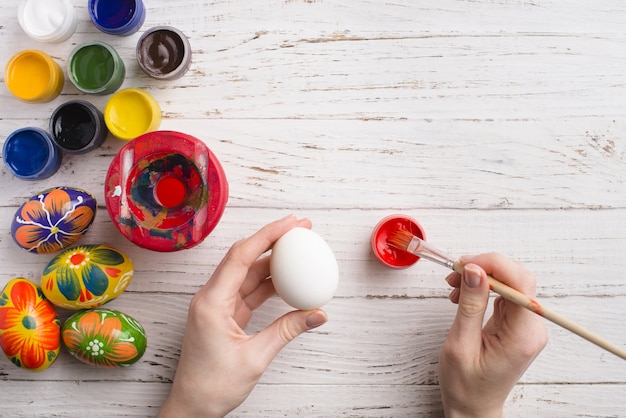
{"x":406,"y":241}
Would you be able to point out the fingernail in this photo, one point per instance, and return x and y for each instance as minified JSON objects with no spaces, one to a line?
{"x":315,"y":319}
{"x":471,"y":276}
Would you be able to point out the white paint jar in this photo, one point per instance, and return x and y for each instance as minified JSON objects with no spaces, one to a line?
{"x":47,"y":20}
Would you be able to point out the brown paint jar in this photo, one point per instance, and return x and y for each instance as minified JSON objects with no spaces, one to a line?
{"x":164,"y":53}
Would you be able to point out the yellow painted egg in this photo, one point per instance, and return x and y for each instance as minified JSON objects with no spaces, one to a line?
{"x":86,"y":276}
{"x":30,"y":329}
{"x":104,"y":338}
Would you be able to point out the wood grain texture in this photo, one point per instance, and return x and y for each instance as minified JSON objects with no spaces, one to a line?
{"x":499,"y":125}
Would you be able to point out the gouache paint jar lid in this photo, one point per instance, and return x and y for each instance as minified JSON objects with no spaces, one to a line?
{"x":387,"y":254}
{"x":77,"y":127}
{"x":47,"y":20}
{"x":96,"y":68}
{"x":165,"y":191}
{"x":163,"y":52}
{"x":132,"y":112}
{"x":33,"y":76}
{"x":30,"y":154}
{"x":117,"y":17}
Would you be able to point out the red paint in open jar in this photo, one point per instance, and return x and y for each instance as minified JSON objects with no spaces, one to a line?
{"x":385,"y":253}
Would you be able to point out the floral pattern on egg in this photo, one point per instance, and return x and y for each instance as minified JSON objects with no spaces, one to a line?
{"x":104,"y":338}
{"x":53,"y":219}
{"x":86,"y":276}
{"x":30,"y":329}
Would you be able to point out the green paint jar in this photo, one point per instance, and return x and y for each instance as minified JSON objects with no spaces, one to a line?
{"x":96,"y":68}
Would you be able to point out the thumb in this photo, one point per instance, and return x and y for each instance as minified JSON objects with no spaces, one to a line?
{"x":285,"y":329}
{"x":473,"y":299}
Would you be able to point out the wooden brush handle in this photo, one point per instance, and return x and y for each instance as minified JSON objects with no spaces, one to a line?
{"x":532,"y":305}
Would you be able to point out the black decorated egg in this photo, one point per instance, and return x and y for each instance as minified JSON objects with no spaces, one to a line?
{"x":53,"y":219}
{"x":86,"y":276}
{"x":30,"y":330}
{"x":104,"y":338}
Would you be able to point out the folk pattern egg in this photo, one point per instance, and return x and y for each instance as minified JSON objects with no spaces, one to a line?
{"x":86,"y":276}
{"x":104,"y":338}
{"x":53,"y":219}
{"x":30,"y":330}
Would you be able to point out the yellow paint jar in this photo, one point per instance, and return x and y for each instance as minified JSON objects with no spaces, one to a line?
{"x":33,"y":76}
{"x":132,"y":112}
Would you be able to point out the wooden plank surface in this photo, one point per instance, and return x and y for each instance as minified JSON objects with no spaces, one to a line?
{"x":499,"y":125}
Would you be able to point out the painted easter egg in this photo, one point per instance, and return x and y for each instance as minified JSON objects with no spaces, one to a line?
{"x":86,"y":276}
{"x":53,"y":219}
{"x":104,"y":338}
{"x":30,"y":330}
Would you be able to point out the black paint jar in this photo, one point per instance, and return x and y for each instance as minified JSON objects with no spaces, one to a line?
{"x":77,"y":127}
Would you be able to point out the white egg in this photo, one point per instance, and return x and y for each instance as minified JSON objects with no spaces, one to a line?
{"x":304,"y":269}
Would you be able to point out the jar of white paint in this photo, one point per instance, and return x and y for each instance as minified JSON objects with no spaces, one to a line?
{"x":47,"y":20}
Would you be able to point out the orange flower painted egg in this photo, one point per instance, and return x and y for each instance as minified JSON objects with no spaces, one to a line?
{"x":86,"y":276}
{"x":53,"y":219}
{"x":30,"y":330}
{"x":104,"y":338}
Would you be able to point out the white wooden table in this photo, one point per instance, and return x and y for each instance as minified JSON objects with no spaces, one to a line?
{"x":499,"y":125}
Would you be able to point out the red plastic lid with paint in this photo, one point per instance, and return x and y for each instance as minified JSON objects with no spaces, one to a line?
{"x":388,"y":255}
{"x":165,"y":191}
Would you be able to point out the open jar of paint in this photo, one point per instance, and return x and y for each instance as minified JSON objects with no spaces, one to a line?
{"x":96,"y":68}
{"x":47,"y":20}
{"x":33,"y":76}
{"x":387,"y":254}
{"x":30,"y":154}
{"x":117,"y":17}
{"x":165,"y":191}
{"x":132,"y":112}
{"x":164,"y":53}
{"x":77,"y":127}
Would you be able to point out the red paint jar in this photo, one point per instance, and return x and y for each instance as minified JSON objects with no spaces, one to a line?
{"x":385,"y":253}
{"x":165,"y":191}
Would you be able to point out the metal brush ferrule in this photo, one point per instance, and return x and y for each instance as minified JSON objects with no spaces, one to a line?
{"x":421,"y":248}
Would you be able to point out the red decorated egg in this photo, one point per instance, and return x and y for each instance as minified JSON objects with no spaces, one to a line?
{"x":53,"y":219}
{"x":86,"y":276}
{"x":30,"y":330}
{"x":104,"y":338}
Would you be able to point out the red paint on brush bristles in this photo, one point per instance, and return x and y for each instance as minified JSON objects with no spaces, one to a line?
{"x":400,"y":239}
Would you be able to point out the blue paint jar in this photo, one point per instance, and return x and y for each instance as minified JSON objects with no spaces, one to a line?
{"x":30,"y":154}
{"x":117,"y":17}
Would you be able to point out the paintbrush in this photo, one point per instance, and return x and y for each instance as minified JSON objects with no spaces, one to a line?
{"x":406,"y":241}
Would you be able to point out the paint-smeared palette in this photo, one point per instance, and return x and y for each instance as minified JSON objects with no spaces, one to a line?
{"x":165,"y":191}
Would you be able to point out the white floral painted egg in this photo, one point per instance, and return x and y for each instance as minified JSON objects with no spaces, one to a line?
{"x":104,"y":338}
{"x":53,"y":219}
{"x":86,"y":276}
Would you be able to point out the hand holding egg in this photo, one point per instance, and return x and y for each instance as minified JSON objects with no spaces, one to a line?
{"x":304,"y":269}
{"x":216,"y":347}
